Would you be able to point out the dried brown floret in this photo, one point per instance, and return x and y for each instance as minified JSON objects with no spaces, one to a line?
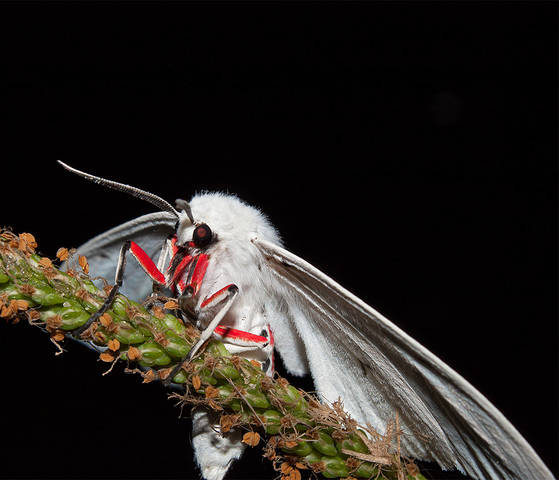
{"x":113,"y":344}
{"x":211,"y":392}
{"x":106,"y":320}
{"x":27,"y":243}
{"x":27,"y":289}
{"x":214,"y":405}
{"x":83,"y":263}
{"x":227,"y":422}
{"x":171,"y":305}
{"x":318,"y":467}
{"x":33,"y":315}
{"x":57,"y":335}
{"x":149,"y":376}
{"x":251,"y":438}
{"x":196,"y":382}
{"x":53,"y":323}
{"x":133,"y":354}
{"x":106,"y":357}
{"x":62,"y":254}
{"x":45,"y":263}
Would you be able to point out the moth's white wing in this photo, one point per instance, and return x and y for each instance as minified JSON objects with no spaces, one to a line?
{"x":379,"y":371}
{"x":148,"y":231}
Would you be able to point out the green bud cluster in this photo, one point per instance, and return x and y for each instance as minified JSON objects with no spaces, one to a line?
{"x":232,"y":386}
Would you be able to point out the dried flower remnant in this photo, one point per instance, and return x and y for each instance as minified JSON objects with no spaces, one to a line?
{"x":62,"y":254}
{"x":27,"y":243}
{"x":106,"y":320}
{"x":113,"y":344}
{"x":106,"y":357}
{"x":211,"y":392}
{"x":133,"y":354}
{"x":171,"y":305}
{"x":227,"y":422}
{"x":83,"y":263}
{"x":196,"y":382}
{"x":53,"y":323}
{"x":45,"y":262}
{"x":251,"y":438}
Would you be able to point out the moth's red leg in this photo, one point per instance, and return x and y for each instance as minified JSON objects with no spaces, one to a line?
{"x":145,"y":262}
{"x":190,"y":284}
{"x":240,"y":338}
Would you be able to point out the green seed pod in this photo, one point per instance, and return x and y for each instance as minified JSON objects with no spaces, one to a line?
{"x":302,"y":449}
{"x":45,"y":295}
{"x":236,"y":405}
{"x":366,"y":470}
{"x":272,"y":419}
{"x":89,"y":286}
{"x":153,"y":354}
{"x":292,"y":396}
{"x":256,"y":398}
{"x":176,"y":346}
{"x":70,"y":312}
{"x":207,"y":377}
{"x":180,"y":377}
{"x":119,"y":306}
{"x":325,"y":445}
{"x":226,"y":370}
{"x":313,"y":457}
{"x":352,"y":442}
{"x":4,"y":278}
{"x":174,"y":324}
{"x":218,"y":349}
{"x":128,"y":335}
{"x":225,"y":391}
{"x":335,"y":467}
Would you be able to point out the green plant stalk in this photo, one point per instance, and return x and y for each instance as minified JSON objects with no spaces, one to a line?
{"x":300,"y":431}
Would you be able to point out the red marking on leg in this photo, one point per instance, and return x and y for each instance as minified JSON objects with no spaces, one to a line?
{"x":226,"y":332}
{"x":181,"y":267}
{"x":216,"y":297}
{"x":202,"y":262}
{"x":147,"y":263}
{"x":174,"y":244}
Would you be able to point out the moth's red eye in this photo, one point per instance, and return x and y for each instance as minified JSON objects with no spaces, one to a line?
{"x":202,"y":235}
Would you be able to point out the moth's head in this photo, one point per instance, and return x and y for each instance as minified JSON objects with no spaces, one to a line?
{"x":207,"y":219}
{"x":221,"y":218}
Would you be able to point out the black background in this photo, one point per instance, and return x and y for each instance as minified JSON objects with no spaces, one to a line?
{"x":406,"y":149}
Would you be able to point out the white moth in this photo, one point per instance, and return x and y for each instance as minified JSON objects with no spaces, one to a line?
{"x":351,"y":350}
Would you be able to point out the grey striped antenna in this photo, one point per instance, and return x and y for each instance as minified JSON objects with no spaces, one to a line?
{"x":121,"y":187}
